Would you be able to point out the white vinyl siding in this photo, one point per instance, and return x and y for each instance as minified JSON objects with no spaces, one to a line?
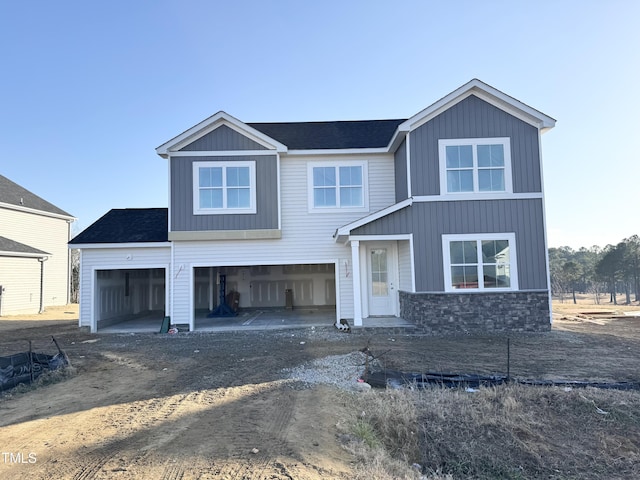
{"x":20,"y":278}
{"x":115,"y":258}
{"x":50,"y":235}
{"x":405,"y":270}
{"x":305,"y":238}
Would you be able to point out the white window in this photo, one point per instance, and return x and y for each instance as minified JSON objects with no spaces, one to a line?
{"x":337,"y":186}
{"x":476,"y":165}
{"x":224,"y":188}
{"x":480,"y":262}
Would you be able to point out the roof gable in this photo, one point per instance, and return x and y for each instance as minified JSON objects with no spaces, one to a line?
{"x":488,"y":94}
{"x":212,"y":123}
{"x":17,"y":196}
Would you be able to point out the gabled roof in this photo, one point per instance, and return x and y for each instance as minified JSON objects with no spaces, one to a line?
{"x":210,"y":124}
{"x":342,"y":234}
{"x":13,"y":194}
{"x":331,"y":135}
{"x":129,"y":225}
{"x":489,"y":94}
{"x":12,"y":248}
{"x":360,"y":134}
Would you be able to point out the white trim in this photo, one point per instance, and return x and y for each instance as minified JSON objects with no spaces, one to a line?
{"x":408,"y":148}
{"x":224,"y":210}
{"x":474,"y":143}
{"x":35,"y":211}
{"x":124,"y":266}
{"x":224,"y":153}
{"x":89,"y":246}
{"x":339,"y":151}
{"x":488,"y":94}
{"x":209,"y":125}
{"x":25,"y":254}
{"x":336,"y":274}
{"x":278,"y":192}
{"x":544,"y":231}
{"x":374,"y":238}
{"x":413,"y":267}
{"x":80,"y":303}
{"x":336,"y":164}
{"x":346,"y":229}
{"x":357,"y":284}
{"x":513,"y":262}
{"x":169,"y":194}
{"x":477,"y":196}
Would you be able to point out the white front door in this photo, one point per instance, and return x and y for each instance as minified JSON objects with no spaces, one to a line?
{"x":381,"y":273}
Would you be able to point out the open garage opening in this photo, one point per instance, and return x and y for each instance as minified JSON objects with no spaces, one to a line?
{"x":264,"y":296}
{"x":131,"y":299}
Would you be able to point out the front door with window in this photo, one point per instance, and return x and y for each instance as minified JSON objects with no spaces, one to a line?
{"x":381,"y":273}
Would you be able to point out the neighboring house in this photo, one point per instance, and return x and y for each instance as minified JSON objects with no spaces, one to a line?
{"x":438,"y":219}
{"x":34,"y":257}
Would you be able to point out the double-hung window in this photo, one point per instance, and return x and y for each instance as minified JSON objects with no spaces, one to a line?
{"x":224,"y":187}
{"x":337,"y":186}
{"x":480,"y":262}
{"x":476,"y":165}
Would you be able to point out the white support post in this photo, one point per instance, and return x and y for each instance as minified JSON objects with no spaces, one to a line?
{"x":357,"y":290}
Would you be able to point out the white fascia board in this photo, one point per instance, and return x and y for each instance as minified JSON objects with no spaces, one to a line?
{"x":342,"y":151}
{"x":490,"y":95}
{"x":397,"y":138}
{"x":389,"y":237}
{"x":20,"y":208}
{"x":210,"y":124}
{"x":94,"y":246}
{"x":25,"y":254}
{"x":223,"y":153}
{"x":346,"y":229}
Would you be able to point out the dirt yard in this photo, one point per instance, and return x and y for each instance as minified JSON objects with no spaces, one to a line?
{"x":204,"y":406}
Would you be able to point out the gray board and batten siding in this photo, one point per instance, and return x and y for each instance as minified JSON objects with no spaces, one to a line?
{"x":428,"y":221}
{"x":266,"y":216}
{"x":472,"y":118}
{"x":400,"y":162}
{"x":221,"y":139}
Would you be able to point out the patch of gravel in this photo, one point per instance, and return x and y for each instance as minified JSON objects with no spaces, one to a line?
{"x":342,"y":371}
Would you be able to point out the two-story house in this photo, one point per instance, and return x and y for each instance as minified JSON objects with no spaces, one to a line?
{"x":35,"y":268}
{"x":438,"y":219}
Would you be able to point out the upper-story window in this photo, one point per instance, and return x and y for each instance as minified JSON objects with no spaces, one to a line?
{"x":224,"y":187}
{"x":479,"y":262}
{"x":476,"y":165}
{"x":337,"y":186}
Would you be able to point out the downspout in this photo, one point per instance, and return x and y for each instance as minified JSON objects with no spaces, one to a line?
{"x":42,"y":260}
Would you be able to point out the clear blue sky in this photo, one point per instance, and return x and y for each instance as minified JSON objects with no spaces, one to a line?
{"x":88,"y":89}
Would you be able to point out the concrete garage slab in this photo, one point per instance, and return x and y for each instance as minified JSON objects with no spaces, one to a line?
{"x":249,"y":319}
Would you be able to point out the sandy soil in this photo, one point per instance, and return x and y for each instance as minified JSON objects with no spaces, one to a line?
{"x":204,"y":406}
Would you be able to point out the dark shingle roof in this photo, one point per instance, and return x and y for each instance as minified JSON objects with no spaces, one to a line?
{"x":129,"y":225}
{"x":11,"y":246}
{"x":331,"y":135}
{"x":14,"y":194}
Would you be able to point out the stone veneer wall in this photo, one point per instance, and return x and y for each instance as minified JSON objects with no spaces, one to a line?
{"x":456,"y":313}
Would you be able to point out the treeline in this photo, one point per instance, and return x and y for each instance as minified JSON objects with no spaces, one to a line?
{"x":610,"y":270}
